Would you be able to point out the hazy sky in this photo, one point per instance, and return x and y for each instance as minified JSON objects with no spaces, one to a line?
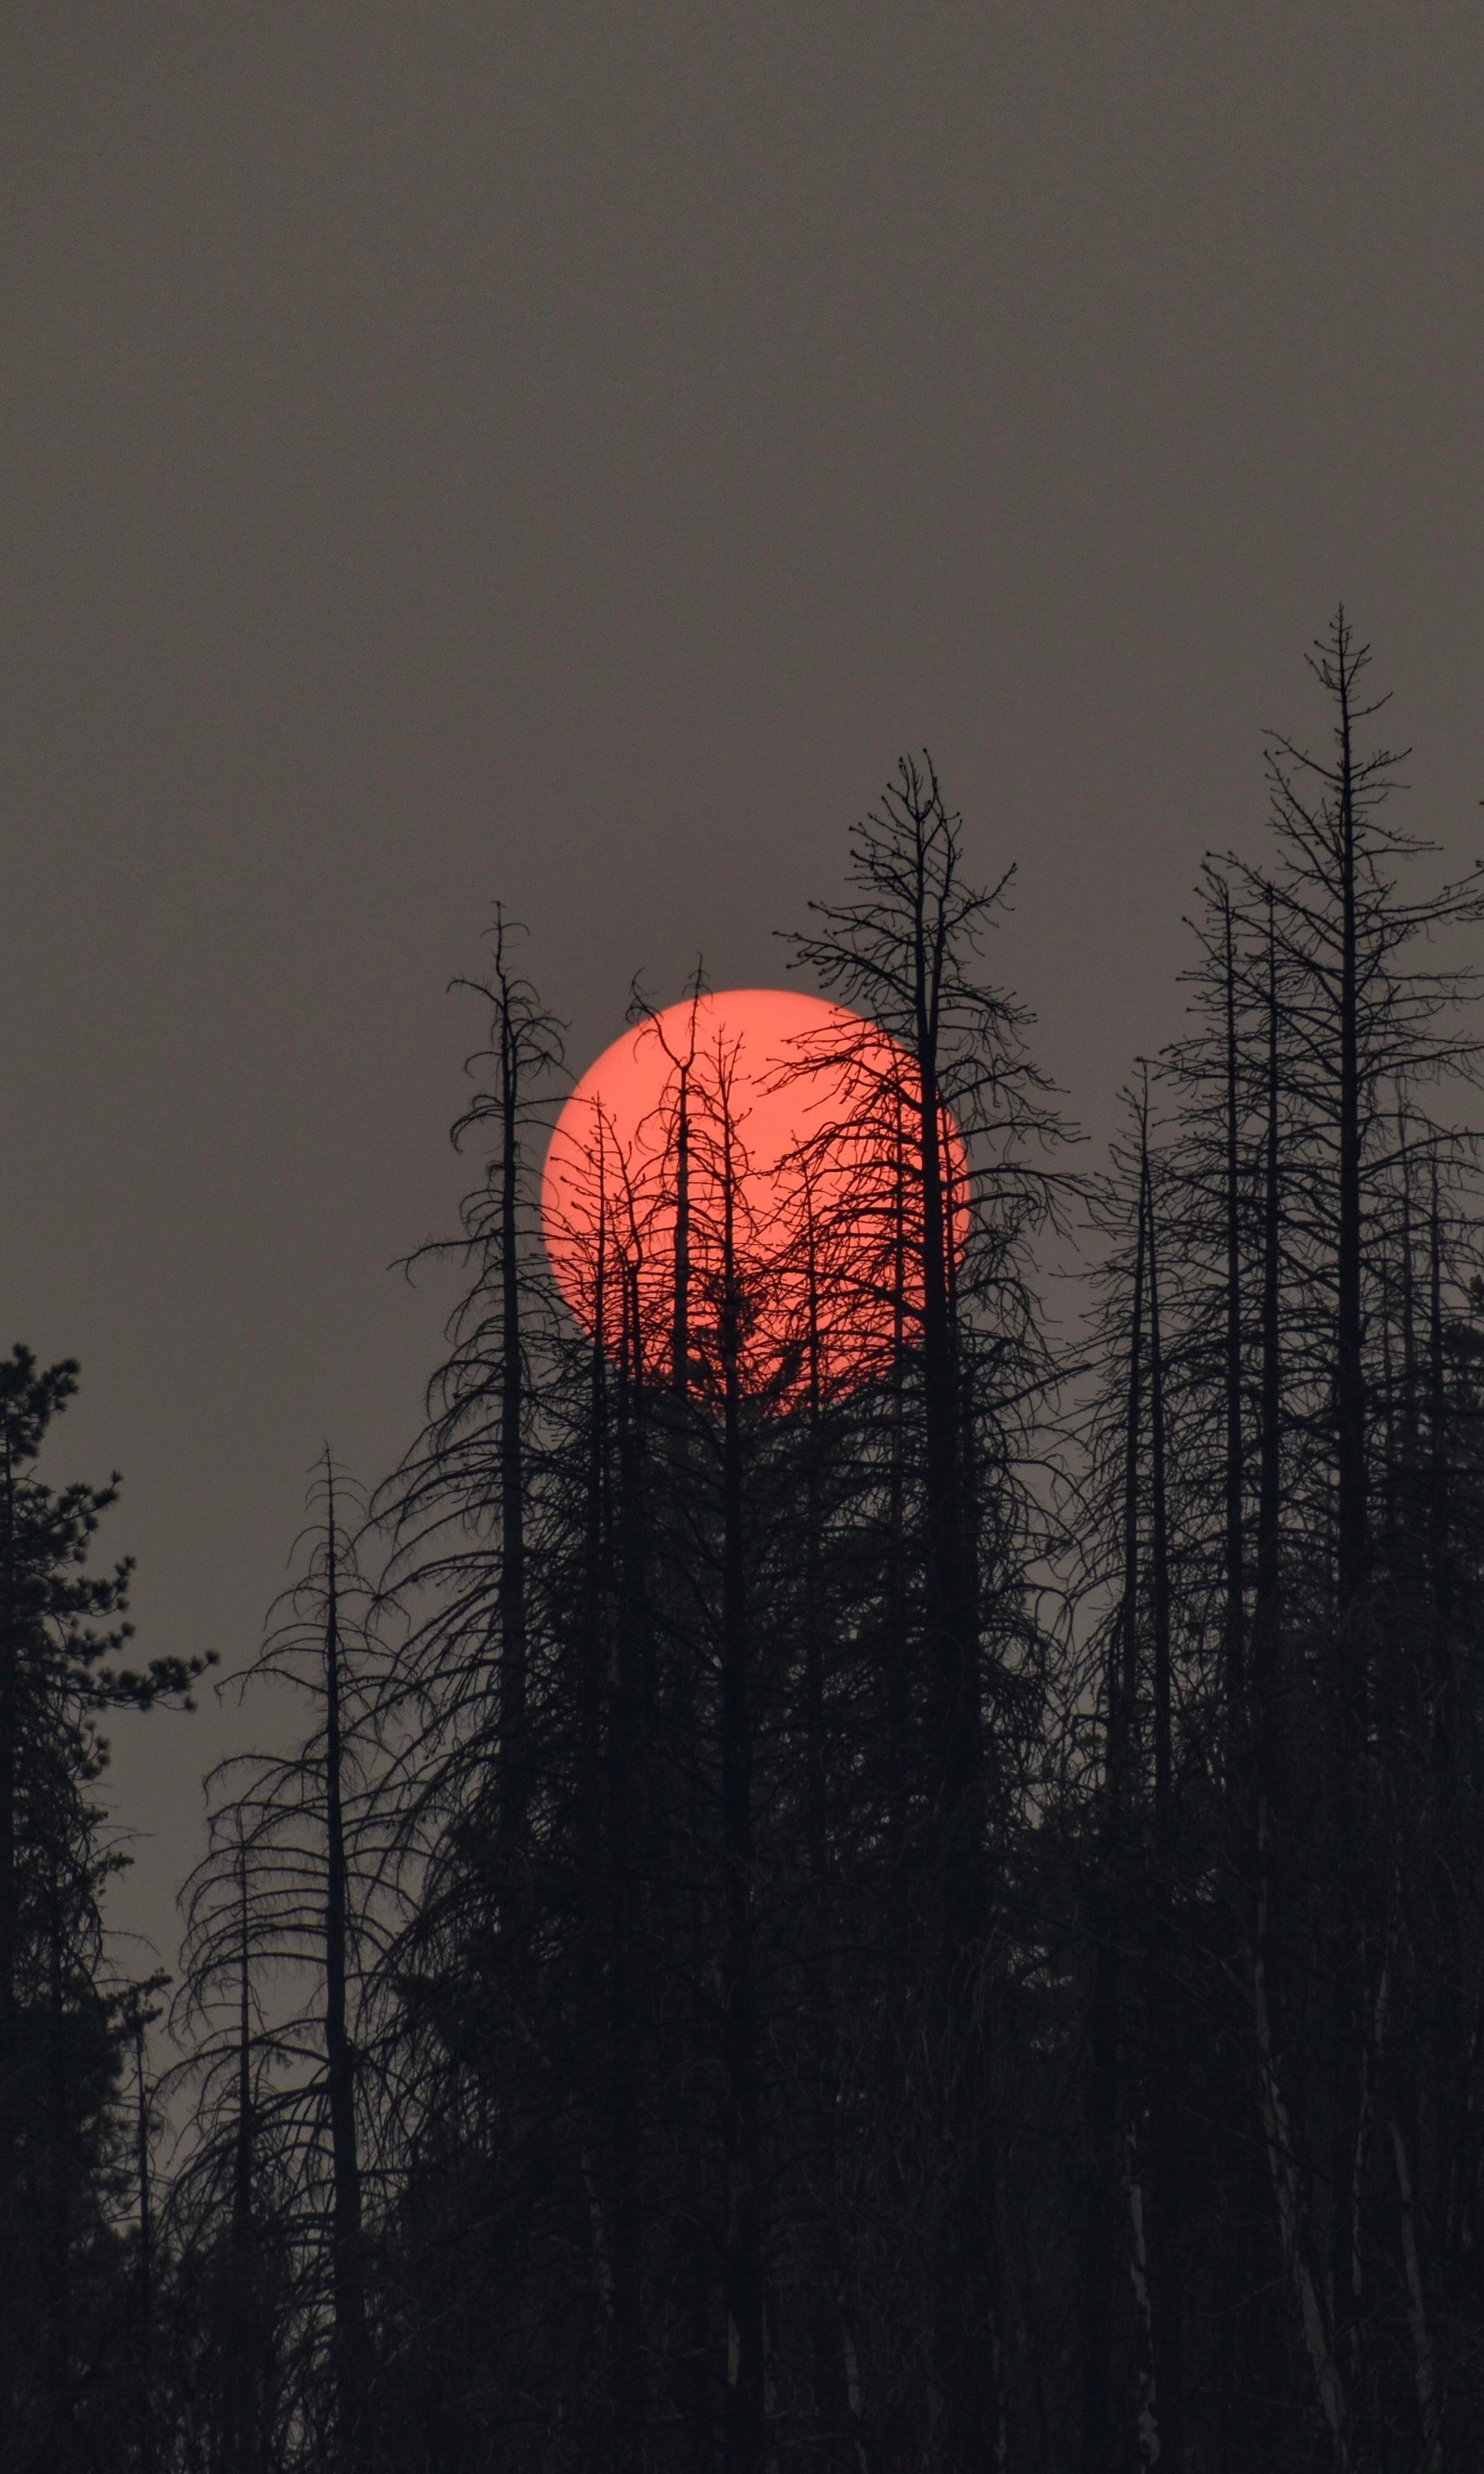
{"x":564,"y":453}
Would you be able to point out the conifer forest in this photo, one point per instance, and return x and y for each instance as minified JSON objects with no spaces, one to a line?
{"x":920,"y":1911}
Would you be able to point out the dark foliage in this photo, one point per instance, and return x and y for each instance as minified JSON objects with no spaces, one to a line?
{"x":930,"y":1922}
{"x":73,"y":2305}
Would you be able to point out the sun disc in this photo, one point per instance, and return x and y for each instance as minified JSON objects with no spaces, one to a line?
{"x":765,"y":1129}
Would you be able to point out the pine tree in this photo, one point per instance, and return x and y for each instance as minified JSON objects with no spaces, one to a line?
{"x":59,"y":2055}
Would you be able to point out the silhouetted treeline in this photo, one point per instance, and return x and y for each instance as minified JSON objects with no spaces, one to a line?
{"x":922,"y":1912}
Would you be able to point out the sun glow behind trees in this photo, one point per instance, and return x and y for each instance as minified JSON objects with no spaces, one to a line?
{"x":758,"y":1141}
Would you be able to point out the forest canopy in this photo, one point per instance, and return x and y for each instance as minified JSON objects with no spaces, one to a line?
{"x":872,"y":1879}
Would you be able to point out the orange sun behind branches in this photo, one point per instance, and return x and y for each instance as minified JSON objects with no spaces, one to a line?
{"x":758,"y":1146}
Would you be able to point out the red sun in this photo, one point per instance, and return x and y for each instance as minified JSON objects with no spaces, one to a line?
{"x":769,"y":1132}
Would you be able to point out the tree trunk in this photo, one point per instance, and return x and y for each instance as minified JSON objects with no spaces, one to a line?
{"x":1352,"y":1547}
{"x":346,"y":2263}
{"x":145,"y":2291}
{"x":1103,"y":2089}
{"x":1160,"y":2410}
{"x":625,"y":2379}
{"x":514,"y":1782}
{"x":14,"y":2370}
{"x":1234,"y":1474}
{"x":745,"y":2425}
{"x":9,"y":1888}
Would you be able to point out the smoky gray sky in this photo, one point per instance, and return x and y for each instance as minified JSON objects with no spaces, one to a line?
{"x":564,"y":454}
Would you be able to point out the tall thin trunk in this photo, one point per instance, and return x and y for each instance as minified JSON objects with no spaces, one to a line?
{"x":14,"y":2370}
{"x":815,"y":1748}
{"x":1283,"y":2167}
{"x":515,"y":1785}
{"x":1410,"y":1402}
{"x":625,"y":2381}
{"x":969,"y":2335}
{"x":1353,"y":1538}
{"x":1270,"y":1471}
{"x":897,"y":1648}
{"x":1423,"y":2356}
{"x":243,"y":2145}
{"x":347,"y":2271}
{"x":244,"y":2336}
{"x":1234,"y":1472}
{"x":951,"y":1652}
{"x":1255,"y":1733}
{"x":745,"y":2423}
{"x":1160,"y":2408}
{"x":1160,"y":1534}
{"x":837,"y":2377}
{"x":1350,"y":1372}
{"x":145,"y":2288}
{"x":1440,"y":1572}
{"x":1149,"y":2428}
{"x":1446,"y":1973}
{"x":10,"y":1892}
{"x":59,"y":2328}
{"x":1105,"y":2069}
{"x":597,"y":1547}
{"x":1278,"y":2141}
{"x":680,"y":1307}
{"x":1239,"y":2273}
